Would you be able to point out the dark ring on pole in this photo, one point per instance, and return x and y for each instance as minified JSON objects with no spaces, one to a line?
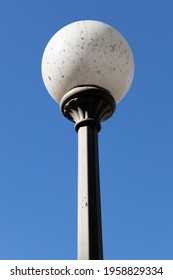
{"x":88,"y":122}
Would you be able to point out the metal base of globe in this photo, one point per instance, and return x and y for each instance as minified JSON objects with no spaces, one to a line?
{"x":87,"y":105}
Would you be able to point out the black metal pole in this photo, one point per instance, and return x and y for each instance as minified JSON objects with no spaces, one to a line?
{"x":95,"y":224}
{"x":89,"y":206}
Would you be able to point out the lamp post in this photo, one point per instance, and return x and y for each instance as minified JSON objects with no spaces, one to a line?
{"x":88,"y":67}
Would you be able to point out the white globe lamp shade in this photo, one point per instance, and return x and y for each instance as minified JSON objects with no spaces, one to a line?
{"x":87,"y":53}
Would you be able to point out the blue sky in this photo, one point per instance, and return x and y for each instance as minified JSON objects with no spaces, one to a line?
{"x":38,"y":146}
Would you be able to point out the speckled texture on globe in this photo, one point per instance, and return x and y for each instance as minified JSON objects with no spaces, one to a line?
{"x":87,"y":53}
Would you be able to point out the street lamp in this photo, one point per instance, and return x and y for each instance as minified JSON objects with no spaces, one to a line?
{"x":88,"y":67}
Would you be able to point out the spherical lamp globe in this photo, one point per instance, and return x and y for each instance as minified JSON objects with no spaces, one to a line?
{"x":87,"y":53}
